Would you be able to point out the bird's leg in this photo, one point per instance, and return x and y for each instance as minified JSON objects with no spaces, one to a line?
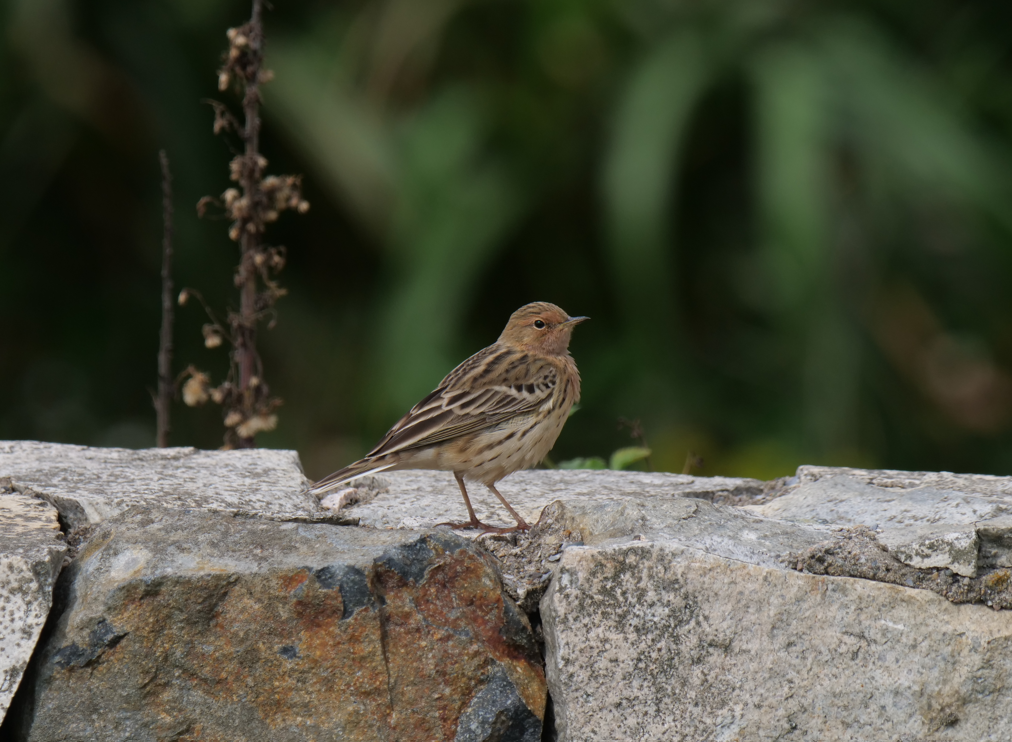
{"x":474,"y":522}
{"x":521,"y":523}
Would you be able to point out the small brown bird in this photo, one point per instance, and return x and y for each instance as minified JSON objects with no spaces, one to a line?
{"x":498,"y":412}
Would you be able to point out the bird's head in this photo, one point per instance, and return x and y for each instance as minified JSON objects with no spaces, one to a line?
{"x":540,"y":327}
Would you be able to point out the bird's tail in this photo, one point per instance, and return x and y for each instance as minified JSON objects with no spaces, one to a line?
{"x":348,"y":473}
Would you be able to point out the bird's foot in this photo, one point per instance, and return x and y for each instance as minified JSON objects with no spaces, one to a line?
{"x":476,"y":524}
{"x":522,"y":525}
{"x":504,"y":530}
{"x":519,"y":527}
{"x":485,"y":527}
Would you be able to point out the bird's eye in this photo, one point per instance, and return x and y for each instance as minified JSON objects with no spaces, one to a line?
{"x":539,"y":324}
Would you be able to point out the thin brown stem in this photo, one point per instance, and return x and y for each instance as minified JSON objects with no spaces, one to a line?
{"x":256,"y":201}
{"x":163,"y":402}
{"x":252,"y":175}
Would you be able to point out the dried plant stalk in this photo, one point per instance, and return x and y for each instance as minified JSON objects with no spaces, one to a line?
{"x":163,"y":401}
{"x":248,"y":407}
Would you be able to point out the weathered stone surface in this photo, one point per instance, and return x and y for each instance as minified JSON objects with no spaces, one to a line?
{"x":88,"y":485}
{"x":938,"y":546}
{"x":682,"y":623}
{"x":844,"y":500}
{"x":856,"y":552}
{"x":927,"y":519}
{"x":978,"y":484}
{"x":199,"y":625}
{"x":31,"y":553}
{"x":422,"y":499}
{"x":527,"y":561}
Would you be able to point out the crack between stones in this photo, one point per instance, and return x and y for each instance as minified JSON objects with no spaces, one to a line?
{"x":381,"y":611}
{"x":16,"y":722}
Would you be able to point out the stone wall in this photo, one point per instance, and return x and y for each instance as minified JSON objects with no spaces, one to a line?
{"x":193,"y":595}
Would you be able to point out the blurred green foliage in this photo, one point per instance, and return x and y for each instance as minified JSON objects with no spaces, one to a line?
{"x":790,"y":221}
{"x":620,"y":460}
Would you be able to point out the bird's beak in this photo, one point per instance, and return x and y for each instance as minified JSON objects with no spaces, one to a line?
{"x":575,"y":320}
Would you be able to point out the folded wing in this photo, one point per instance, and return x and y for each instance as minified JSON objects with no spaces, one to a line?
{"x":470,"y":400}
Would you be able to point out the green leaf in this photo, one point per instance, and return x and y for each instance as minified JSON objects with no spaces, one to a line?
{"x":623,"y":458}
{"x":590,"y":462}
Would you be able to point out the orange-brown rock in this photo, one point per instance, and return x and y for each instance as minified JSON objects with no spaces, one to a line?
{"x":189,"y":625}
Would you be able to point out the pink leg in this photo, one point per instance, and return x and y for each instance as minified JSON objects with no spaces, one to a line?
{"x":521,"y":523}
{"x":473,"y":522}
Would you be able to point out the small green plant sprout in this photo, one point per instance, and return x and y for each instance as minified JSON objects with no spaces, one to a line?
{"x":621,"y":459}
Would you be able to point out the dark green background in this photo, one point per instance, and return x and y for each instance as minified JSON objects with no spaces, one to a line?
{"x":790,"y":221}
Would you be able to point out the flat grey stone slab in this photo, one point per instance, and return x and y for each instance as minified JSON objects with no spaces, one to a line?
{"x":954,"y":547}
{"x":31,"y":554}
{"x":927,"y":519}
{"x":684,"y":625}
{"x":844,"y":500}
{"x":691,"y":523}
{"x":422,"y":499}
{"x":977,"y":484}
{"x":88,"y":485}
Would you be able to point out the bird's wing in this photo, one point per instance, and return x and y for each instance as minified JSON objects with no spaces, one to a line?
{"x":484,"y":391}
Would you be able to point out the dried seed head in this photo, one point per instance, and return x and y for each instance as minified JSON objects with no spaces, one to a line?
{"x":196,"y":388}
{"x":202,"y":205}
{"x":229,"y":197}
{"x":233,"y":233}
{"x":254,"y":382}
{"x":235,"y":168}
{"x":212,"y":336}
{"x":265,"y":76}
{"x":271,"y":216}
{"x":184,"y":296}
{"x":240,"y":208}
{"x":257,"y":424}
{"x":224,"y":78}
{"x":233,"y":418}
{"x":219,"y":393}
{"x":232,"y":33}
{"x":303,"y":207}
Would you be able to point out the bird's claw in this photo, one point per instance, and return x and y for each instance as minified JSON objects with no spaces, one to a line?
{"x":485,"y":527}
{"x":456,"y":525}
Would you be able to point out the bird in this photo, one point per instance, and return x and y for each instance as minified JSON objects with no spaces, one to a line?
{"x":498,"y":412}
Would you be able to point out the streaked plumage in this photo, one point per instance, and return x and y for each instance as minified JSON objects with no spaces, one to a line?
{"x":498,"y":412}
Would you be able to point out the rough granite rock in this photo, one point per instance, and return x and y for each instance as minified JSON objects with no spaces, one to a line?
{"x":952,"y":547}
{"x":927,"y":519}
{"x":199,"y":625}
{"x":979,"y":484}
{"x":422,"y":499}
{"x":31,"y":554}
{"x":683,"y":623}
{"x":846,"y":500}
{"x":856,"y":552}
{"x":88,"y":485}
